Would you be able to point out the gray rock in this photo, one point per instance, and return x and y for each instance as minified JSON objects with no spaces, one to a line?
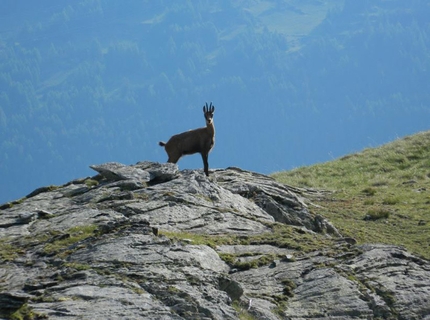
{"x":11,"y":301}
{"x":231,"y":287}
{"x":117,"y":171}
{"x":130,"y":247}
{"x":281,"y":202}
{"x":159,"y":172}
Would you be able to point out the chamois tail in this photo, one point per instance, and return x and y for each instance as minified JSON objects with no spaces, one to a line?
{"x":162,"y":144}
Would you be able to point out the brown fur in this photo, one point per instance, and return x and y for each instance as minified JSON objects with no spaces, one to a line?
{"x":199,"y":140}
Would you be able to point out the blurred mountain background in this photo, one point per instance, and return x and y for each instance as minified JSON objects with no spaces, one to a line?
{"x":293,"y":82}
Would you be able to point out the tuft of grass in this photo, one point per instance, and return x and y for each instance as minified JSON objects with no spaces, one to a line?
{"x":200,"y":239}
{"x":77,"y":266}
{"x":71,"y":237}
{"x":369,"y":191}
{"x":377,"y":214}
{"x":289,"y":287}
{"x":8,"y":252}
{"x":253,"y":263}
{"x":91,"y":183}
{"x":228,"y":258}
{"x":391,"y":201}
{"x":9,"y":205}
{"x":26,"y":313}
{"x":395,"y":175}
{"x":242,"y":311}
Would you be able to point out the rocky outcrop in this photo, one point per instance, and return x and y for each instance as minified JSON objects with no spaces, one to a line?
{"x":149,"y":241}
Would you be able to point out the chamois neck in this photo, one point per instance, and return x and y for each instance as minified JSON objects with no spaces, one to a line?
{"x":210,"y":127}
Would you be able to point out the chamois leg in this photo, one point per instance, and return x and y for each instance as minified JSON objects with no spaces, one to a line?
{"x":205,"y":163}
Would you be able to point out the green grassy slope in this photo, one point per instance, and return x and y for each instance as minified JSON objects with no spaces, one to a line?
{"x":379,"y":195}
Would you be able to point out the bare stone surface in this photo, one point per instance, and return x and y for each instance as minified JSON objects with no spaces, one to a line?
{"x":109,"y":246}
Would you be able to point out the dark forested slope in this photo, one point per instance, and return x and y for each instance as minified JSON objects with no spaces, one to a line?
{"x":294,"y":82}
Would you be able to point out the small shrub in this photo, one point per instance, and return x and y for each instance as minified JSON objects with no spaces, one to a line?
{"x":91,"y":183}
{"x":289,"y":287}
{"x":369,"y":191}
{"x":281,"y":304}
{"x":8,"y":252}
{"x":377,"y":214}
{"x":227,"y":258}
{"x":173,"y":289}
{"x":391,"y":201}
{"x":25,"y":312}
{"x":232,"y":260}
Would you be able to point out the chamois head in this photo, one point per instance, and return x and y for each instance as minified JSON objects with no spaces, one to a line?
{"x":209,"y":113}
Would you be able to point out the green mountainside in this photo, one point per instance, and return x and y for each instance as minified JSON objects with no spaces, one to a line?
{"x":92,"y":81}
{"x":379,"y":195}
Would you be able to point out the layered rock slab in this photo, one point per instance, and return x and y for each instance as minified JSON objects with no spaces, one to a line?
{"x":94,"y":248}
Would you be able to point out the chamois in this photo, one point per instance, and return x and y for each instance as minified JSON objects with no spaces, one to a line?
{"x":199,"y":140}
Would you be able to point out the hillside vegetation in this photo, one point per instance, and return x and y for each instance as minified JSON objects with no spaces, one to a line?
{"x":380,"y":195}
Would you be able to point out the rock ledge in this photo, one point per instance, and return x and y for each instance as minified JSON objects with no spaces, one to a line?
{"x":149,"y":241}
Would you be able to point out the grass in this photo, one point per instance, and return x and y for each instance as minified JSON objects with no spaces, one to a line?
{"x":235,"y":263}
{"x":376,"y":214}
{"x":200,"y":239}
{"x":8,"y":252}
{"x":289,"y":287}
{"x":26,"y":313}
{"x":281,"y":236}
{"x":91,"y":183}
{"x":71,"y":237}
{"x":380,"y":195}
{"x":242,"y":311}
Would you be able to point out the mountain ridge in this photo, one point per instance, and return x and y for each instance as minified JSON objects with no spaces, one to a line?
{"x":150,"y":241}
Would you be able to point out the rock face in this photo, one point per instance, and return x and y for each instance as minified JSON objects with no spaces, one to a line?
{"x":148,"y":241}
